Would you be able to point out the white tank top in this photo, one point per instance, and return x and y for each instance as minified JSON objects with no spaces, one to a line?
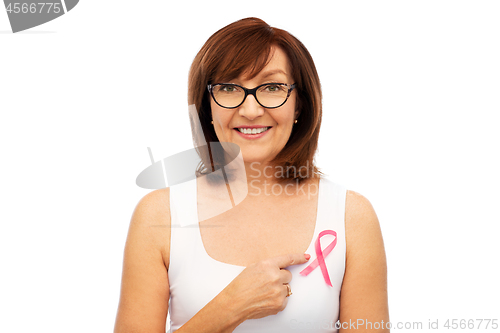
{"x":195,"y":278}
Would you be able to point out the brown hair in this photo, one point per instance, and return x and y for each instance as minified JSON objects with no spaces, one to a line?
{"x":245,"y":46}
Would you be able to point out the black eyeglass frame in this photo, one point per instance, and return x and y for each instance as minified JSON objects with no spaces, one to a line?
{"x":250,"y":92}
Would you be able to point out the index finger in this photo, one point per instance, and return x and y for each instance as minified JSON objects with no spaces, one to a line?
{"x":291,"y":259}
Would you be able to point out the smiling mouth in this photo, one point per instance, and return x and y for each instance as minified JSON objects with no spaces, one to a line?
{"x":252,"y":130}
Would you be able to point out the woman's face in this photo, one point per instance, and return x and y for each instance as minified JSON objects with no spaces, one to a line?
{"x":228,"y":123}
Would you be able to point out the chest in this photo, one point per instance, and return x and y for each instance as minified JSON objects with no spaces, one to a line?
{"x":256,"y":230}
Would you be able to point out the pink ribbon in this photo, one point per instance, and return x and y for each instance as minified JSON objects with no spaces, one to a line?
{"x":320,"y":256}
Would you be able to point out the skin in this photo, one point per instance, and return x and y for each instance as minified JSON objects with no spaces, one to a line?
{"x":284,"y":231}
{"x":258,"y":153}
{"x":251,"y":113}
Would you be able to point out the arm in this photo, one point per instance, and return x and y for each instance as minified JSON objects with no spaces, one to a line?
{"x":364,"y":289}
{"x":144,"y":296}
{"x":144,"y":293}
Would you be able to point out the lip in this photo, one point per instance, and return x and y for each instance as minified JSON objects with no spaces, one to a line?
{"x":252,"y":126}
{"x":252,"y":136}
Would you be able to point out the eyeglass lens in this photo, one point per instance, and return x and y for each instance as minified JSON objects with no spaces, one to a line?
{"x":270,"y":95}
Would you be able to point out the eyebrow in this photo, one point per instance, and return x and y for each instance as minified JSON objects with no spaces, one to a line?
{"x":265,"y":75}
{"x":273,"y":72}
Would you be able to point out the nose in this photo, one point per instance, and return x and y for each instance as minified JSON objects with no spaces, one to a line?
{"x":250,"y":108}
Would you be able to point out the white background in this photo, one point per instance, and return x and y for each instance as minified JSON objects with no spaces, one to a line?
{"x":411,"y":103}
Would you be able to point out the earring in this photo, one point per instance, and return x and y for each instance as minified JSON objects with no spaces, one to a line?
{"x":295,"y":120}
{"x":212,"y":122}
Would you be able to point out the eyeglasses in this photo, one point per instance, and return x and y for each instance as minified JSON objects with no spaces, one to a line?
{"x":268,"y":95}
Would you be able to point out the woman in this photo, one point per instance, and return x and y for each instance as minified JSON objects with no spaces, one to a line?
{"x":258,"y":266}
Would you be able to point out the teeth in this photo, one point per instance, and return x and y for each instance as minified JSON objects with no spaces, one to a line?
{"x":253,"y":130}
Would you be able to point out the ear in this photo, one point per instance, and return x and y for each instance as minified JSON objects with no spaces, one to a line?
{"x":298,"y":108}
{"x":296,"y":114}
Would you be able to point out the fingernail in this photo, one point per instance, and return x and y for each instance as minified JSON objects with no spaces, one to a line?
{"x":308,"y":256}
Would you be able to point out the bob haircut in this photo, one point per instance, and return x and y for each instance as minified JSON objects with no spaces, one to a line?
{"x":245,"y":46}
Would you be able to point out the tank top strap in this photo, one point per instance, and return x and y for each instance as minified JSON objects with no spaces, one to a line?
{"x":331,"y":205}
{"x":183,"y":207}
{"x":331,"y":216}
{"x":183,"y":226}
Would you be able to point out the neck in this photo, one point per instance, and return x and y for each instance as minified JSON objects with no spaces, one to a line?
{"x":261,"y":177}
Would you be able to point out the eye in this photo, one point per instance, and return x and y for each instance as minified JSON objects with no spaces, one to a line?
{"x":274,"y":88}
{"x":228,"y":88}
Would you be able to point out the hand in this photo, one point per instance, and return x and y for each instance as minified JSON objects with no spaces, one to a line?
{"x":260,"y":290}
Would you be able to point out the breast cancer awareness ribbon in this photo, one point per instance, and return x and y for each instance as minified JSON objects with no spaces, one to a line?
{"x":320,"y":256}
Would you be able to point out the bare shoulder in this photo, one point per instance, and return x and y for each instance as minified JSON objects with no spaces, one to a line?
{"x":156,"y":201}
{"x":361,"y":222}
{"x":152,"y":214}
{"x":358,"y":208}
{"x":145,"y":291}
